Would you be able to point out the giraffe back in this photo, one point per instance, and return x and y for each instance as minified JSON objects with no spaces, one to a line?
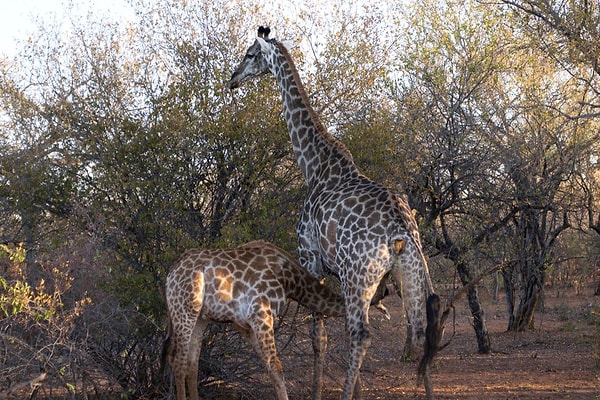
{"x":300,"y":285}
{"x":236,"y":282}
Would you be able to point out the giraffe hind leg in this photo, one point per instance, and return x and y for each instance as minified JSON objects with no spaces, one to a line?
{"x":262,"y":339}
{"x":179,"y":357}
{"x":357,"y":324}
{"x":319,"y":345}
{"x":184,"y":311}
{"x":358,"y":350}
{"x":195,"y":346}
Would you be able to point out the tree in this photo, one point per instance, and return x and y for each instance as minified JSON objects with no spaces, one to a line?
{"x":449,"y":67}
{"x":568,"y":36}
{"x":568,"y":33}
{"x":149,"y":155}
{"x":35,"y":184}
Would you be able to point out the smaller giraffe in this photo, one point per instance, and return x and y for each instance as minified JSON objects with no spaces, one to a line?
{"x":248,"y":286}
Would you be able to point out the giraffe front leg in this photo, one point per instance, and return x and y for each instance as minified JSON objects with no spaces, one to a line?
{"x":310,"y":259}
{"x":319,"y":344}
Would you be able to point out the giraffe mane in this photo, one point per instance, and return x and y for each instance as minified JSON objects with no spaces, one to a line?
{"x":337,"y":144}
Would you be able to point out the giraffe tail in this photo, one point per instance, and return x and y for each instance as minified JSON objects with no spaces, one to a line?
{"x":433,"y":335}
{"x":166,"y":349}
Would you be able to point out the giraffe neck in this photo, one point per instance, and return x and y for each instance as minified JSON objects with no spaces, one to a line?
{"x":320,"y":156}
{"x":307,"y":290}
{"x":314,"y":295}
{"x":302,"y":287}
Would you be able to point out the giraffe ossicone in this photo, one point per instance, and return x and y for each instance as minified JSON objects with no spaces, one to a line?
{"x":349,"y":225}
{"x":247,"y":286}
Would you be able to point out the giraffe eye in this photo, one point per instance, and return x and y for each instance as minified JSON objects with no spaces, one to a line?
{"x":250,"y":55}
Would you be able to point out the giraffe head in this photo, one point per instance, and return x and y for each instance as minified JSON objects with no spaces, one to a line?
{"x":256,"y":61}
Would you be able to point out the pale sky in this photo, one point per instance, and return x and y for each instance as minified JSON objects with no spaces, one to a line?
{"x":17,"y":16}
{"x":15,"y":19}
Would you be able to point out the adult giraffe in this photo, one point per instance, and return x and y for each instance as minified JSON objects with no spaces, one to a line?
{"x":350,"y":225}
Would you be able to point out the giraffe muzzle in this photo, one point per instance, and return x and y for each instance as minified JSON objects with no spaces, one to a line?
{"x":234,"y":83}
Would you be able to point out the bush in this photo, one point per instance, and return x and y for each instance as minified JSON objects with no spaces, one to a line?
{"x":36,"y":337}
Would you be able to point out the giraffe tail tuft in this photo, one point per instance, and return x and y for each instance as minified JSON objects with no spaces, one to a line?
{"x":433,"y":334}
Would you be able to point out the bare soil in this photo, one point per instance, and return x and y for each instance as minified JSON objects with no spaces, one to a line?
{"x":559,"y":359}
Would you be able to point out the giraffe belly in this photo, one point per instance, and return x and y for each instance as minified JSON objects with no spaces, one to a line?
{"x":218,"y":310}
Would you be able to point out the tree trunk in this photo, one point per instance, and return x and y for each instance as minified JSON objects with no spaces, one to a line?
{"x":496,"y":285}
{"x":509,"y":289}
{"x":534,"y":249}
{"x":33,"y":272}
{"x":530,"y":296}
{"x":483,"y":336}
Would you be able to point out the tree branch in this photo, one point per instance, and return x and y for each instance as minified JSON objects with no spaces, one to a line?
{"x":34,"y":382}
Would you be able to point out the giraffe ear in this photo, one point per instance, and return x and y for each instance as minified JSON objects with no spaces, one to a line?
{"x":288,"y":44}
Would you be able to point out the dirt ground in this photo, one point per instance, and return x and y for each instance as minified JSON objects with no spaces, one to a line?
{"x":560,"y":359}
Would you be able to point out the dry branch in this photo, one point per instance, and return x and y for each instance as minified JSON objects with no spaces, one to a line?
{"x":32,"y":383}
